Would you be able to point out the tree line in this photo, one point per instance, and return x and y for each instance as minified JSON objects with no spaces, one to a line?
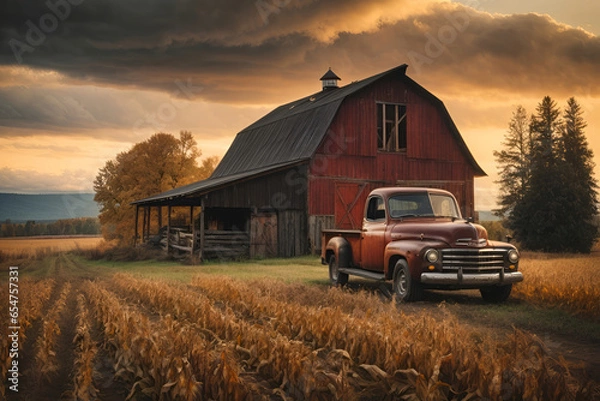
{"x":76,"y":226}
{"x":548,"y":190}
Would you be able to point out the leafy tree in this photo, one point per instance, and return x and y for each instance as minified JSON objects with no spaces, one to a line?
{"x":8,"y":229}
{"x":557,"y":207}
{"x":30,"y":228}
{"x":158,"y":164}
{"x":90,"y":226}
{"x":208,"y":166}
{"x":514,"y":161}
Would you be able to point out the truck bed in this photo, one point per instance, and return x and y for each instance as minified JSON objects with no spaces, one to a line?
{"x":352,"y":236}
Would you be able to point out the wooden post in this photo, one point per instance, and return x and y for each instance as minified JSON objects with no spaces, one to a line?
{"x":168,"y":227}
{"x":159,"y":218}
{"x":148,"y":223}
{"x":144,"y":225}
{"x":143,"y":237}
{"x":137,"y":212}
{"x":201,"y":250}
{"x":193,"y":226}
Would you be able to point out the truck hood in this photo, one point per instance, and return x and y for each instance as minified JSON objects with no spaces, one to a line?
{"x":453,"y":233}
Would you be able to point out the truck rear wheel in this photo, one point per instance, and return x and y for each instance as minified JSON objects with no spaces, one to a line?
{"x":405,"y":288}
{"x":496,"y":294}
{"x":335,"y":276}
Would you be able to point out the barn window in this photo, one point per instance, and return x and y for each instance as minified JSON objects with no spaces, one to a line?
{"x":391,"y":127}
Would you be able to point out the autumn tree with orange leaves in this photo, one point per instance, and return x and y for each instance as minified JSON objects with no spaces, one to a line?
{"x":158,"y":164}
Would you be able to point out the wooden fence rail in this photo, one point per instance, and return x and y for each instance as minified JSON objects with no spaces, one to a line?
{"x":217,"y":243}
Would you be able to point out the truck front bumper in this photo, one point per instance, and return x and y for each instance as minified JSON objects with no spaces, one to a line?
{"x":471,"y":280}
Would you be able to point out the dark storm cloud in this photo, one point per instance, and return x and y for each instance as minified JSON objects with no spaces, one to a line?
{"x":527,"y":53}
{"x":270,"y":50}
{"x":61,"y":109}
{"x":151,"y":24}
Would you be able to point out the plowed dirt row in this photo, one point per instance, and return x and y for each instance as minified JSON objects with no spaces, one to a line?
{"x":58,"y":384}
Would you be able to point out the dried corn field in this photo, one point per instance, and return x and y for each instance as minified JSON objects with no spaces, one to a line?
{"x":120,"y":337}
{"x":547,"y":284}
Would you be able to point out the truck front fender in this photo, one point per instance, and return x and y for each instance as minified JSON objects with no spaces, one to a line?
{"x":341,"y":249}
{"x":409,"y":250}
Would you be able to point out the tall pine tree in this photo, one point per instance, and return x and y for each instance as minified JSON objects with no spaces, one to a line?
{"x":556,"y":209}
{"x":514,"y":161}
{"x":579,"y":169}
{"x":535,"y":220}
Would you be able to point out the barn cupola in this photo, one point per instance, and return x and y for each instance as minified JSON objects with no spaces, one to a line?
{"x":330,"y":80}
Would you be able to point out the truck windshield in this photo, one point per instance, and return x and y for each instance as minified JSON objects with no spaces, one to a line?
{"x":423,"y":205}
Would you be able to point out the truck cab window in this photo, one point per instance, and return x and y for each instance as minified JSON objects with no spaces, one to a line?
{"x":410,"y":205}
{"x":444,"y":206}
{"x":375,"y":209}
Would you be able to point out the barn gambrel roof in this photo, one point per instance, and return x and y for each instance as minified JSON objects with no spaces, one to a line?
{"x":290,"y":135}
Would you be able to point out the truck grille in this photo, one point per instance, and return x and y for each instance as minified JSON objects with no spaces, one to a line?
{"x":473,"y":260}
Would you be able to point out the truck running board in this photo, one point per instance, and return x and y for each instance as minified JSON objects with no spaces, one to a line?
{"x":362,"y":273}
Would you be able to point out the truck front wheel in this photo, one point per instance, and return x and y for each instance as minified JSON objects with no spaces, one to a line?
{"x":405,"y":288}
{"x":496,"y":294}
{"x":335,"y":276}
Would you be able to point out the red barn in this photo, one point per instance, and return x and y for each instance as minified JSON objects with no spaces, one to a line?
{"x":311,"y":163}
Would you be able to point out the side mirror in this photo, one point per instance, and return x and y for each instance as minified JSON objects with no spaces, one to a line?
{"x":508,"y":238}
{"x":471,"y":219}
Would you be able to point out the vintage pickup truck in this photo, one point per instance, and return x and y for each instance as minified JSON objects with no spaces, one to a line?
{"x":417,"y":238}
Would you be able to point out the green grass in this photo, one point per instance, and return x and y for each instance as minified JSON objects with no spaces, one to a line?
{"x":306,"y":269}
{"x":525,"y":316}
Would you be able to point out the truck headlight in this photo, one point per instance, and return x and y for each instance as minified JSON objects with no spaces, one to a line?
{"x":513,"y":256}
{"x":432,"y":255}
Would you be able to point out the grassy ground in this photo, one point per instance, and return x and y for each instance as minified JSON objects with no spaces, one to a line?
{"x":307,"y":269}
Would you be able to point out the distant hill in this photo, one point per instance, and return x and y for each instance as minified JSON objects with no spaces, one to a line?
{"x":486,"y":215}
{"x":46,"y":207}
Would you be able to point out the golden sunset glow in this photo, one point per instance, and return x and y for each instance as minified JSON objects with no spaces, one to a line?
{"x":74,"y":96}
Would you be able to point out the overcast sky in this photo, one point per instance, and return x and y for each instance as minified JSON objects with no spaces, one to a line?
{"x":81,"y":80}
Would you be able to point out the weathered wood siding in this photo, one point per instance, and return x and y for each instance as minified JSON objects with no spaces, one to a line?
{"x":279,"y":191}
{"x":263,"y":235}
{"x":292,"y":233}
{"x":316,"y":224}
{"x":277,"y":203}
{"x":226,"y":244}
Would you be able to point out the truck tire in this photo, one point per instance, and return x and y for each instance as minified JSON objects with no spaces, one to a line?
{"x":405,"y":288}
{"x":496,"y":294}
{"x":336,"y":278}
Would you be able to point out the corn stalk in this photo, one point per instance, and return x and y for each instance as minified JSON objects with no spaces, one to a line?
{"x":33,"y":295}
{"x":45,"y":356}
{"x":85,"y":354}
{"x":292,"y":365}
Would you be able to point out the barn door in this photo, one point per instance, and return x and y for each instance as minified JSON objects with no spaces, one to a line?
{"x":349,"y":205}
{"x":263,"y":235}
